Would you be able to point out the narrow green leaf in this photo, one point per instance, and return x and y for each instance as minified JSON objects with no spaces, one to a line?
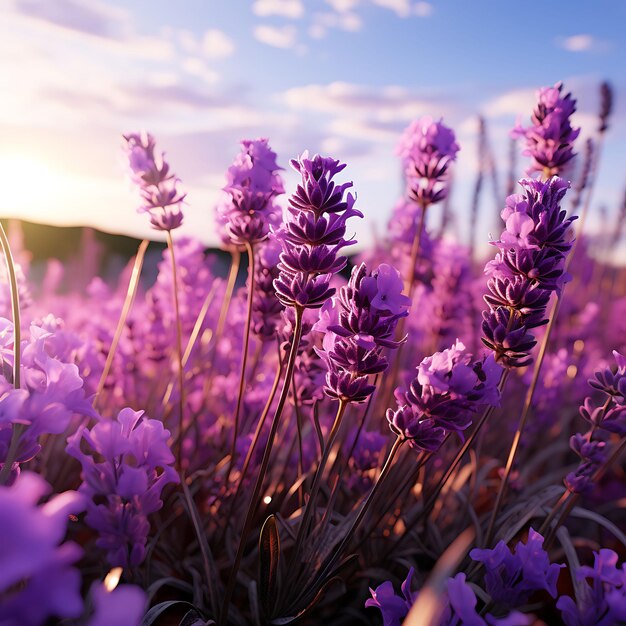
{"x":269,"y":554}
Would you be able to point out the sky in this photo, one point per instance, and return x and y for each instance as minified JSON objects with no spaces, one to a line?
{"x":338,"y":77}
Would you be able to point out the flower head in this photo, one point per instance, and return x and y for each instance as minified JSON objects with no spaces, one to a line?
{"x":157,"y":185}
{"x":427,"y":148}
{"x":550,"y":137}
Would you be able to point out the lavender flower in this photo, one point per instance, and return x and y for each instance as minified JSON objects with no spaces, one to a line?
{"x":460,"y":605}
{"x":151,"y":173}
{"x":604,"y":417}
{"x":603,"y":603}
{"x":447,"y":392}
{"x":313,"y":233}
{"x":529,"y":266}
{"x":51,"y":395}
{"x":358,"y":323}
{"x":247,"y":209}
{"x":550,"y":139}
{"x":606,"y":106}
{"x":124,"y":606}
{"x":393,"y":608}
{"x":427,"y":148}
{"x":125,"y":486}
{"x":512,"y":577}
{"x":38,"y":579}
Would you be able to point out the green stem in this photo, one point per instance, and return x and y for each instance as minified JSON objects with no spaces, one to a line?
{"x":310,"y":505}
{"x":247,"y":528}
{"x":244,"y":360}
{"x":253,"y":445}
{"x":361,"y":514}
{"x":430,"y":503}
{"x":131,"y":292}
{"x":17,"y":340}
{"x":179,"y":351}
{"x":522,"y":423}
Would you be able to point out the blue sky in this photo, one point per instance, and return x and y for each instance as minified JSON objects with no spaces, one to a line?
{"x":342,"y":77}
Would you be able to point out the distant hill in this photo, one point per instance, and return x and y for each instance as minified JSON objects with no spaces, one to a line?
{"x":65,"y":243}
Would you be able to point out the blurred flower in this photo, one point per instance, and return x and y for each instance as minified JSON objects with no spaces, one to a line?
{"x":38,"y":579}
{"x":603,"y":603}
{"x":550,"y":139}
{"x":151,"y":173}
{"x":247,"y":209}
{"x":427,"y":148}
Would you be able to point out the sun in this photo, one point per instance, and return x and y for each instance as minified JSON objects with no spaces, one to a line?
{"x":29,"y":185}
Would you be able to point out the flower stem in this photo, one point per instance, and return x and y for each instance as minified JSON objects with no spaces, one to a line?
{"x":131,"y":292}
{"x":522,"y":423}
{"x":221,"y":321}
{"x":179,"y":351}
{"x":244,"y":360}
{"x":362,"y":512}
{"x":430,"y":503}
{"x":315,"y":487}
{"x":17,"y":340}
{"x":253,"y":445}
{"x":247,"y":527}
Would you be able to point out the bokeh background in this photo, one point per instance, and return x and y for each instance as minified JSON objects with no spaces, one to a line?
{"x":342,"y":77}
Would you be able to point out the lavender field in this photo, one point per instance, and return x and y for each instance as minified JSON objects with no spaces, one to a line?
{"x":406,"y":434}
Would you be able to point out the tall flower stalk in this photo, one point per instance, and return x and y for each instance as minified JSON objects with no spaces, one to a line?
{"x":530,"y":266}
{"x":311,"y":237}
{"x":358,"y":323}
{"x":162,"y":202}
{"x":244,"y":216}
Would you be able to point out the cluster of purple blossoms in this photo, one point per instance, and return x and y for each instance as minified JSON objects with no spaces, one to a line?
{"x":359,"y":322}
{"x":550,"y":138}
{"x":38,"y":579}
{"x":604,"y":417}
{"x":158,"y":186}
{"x":247,"y":210}
{"x":124,"y":472}
{"x":51,"y":393}
{"x":313,"y":233}
{"x":445,"y":395}
{"x":427,"y":148}
{"x":603,"y":603}
{"x":529,"y":266}
{"x":460,"y":605}
{"x":512,"y":577}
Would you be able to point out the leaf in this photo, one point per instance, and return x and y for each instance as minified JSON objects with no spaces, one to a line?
{"x":156,"y":611}
{"x":168,"y":581}
{"x":281,"y":621}
{"x":207,"y":557}
{"x":269,"y":555}
{"x":192,"y":618}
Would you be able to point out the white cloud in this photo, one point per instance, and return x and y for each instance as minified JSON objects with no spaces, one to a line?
{"x":197,"y":67}
{"x":322,"y":22}
{"x":292,"y":9}
{"x":423,"y":9}
{"x":216,"y":44}
{"x":343,"y":6}
{"x":512,"y":103}
{"x":402,"y":8}
{"x":577,"y":43}
{"x":276,"y":36}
